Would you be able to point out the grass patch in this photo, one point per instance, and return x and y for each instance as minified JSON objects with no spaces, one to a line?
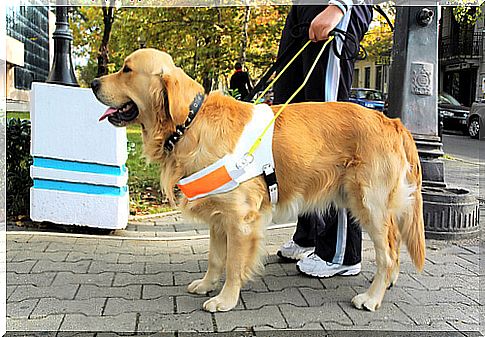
{"x":144,"y":177}
{"x":18,"y":114}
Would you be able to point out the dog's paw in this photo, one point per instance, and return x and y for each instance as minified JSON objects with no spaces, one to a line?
{"x":201,"y":287}
{"x":365,"y":302}
{"x":219,"y":303}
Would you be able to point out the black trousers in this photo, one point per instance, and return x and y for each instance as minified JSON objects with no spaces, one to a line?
{"x":330,"y":81}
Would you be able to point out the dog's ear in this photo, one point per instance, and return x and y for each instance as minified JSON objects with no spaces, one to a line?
{"x":180,"y":90}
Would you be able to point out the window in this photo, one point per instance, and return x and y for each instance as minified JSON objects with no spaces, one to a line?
{"x":379,"y":78}
{"x":355,"y":80}
{"x":367,"y":77}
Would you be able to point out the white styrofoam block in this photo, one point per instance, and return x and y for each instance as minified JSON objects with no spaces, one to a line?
{"x":80,"y":177}
{"x":65,"y":126}
{"x":101,"y":211}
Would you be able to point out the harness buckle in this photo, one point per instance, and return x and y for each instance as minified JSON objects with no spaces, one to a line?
{"x":271,"y":182}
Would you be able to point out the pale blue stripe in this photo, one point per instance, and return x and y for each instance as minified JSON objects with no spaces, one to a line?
{"x":68,"y":165}
{"x":65,"y":186}
{"x":332,"y":76}
{"x":341,"y":237}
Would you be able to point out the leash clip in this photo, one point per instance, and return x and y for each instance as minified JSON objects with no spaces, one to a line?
{"x":245,"y":161}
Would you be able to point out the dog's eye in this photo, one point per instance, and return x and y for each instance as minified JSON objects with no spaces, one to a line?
{"x":126,"y":69}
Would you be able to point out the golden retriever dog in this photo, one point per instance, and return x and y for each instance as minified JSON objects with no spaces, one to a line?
{"x":325,"y":154}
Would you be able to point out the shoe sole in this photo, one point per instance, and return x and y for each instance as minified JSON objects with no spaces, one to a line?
{"x":340,"y":273}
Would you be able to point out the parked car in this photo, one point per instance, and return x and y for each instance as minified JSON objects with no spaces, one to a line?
{"x":370,"y":98}
{"x":475,"y":119}
{"x":452,"y":114}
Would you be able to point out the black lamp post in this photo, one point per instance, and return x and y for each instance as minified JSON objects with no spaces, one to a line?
{"x":62,"y":71}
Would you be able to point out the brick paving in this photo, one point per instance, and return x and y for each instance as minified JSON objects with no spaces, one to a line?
{"x":81,"y":286}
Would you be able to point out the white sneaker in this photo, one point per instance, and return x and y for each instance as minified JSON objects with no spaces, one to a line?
{"x":292,"y":251}
{"x":313,"y":265}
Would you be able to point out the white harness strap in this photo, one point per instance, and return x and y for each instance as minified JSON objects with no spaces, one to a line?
{"x":238,"y":166}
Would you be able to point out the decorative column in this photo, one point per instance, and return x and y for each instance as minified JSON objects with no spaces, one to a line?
{"x":413,"y":94}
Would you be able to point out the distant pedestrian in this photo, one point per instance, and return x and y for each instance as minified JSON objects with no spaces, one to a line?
{"x":240,"y":80}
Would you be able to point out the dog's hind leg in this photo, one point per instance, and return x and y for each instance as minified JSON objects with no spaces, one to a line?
{"x":243,"y":259}
{"x":372,"y":298}
{"x":394,"y":238}
{"x":217,"y":259}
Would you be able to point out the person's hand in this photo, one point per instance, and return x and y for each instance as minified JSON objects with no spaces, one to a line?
{"x":324,"y":22}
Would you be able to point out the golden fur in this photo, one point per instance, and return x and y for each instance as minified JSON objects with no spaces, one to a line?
{"x":325,"y":153}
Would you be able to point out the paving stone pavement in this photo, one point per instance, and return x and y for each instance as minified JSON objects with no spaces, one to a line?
{"x":83,"y":286}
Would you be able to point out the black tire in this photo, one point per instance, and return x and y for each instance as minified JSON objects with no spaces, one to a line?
{"x":474,"y":128}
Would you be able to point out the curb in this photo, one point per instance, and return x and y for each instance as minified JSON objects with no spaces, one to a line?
{"x":168,"y":236}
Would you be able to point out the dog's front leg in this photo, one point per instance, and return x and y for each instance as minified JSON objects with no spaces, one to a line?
{"x":217,"y":259}
{"x":242,"y":253}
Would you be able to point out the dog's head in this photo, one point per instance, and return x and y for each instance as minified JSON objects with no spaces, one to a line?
{"x":149,"y":89}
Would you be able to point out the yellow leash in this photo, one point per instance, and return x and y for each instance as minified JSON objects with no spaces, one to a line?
{"x":257,"y":143}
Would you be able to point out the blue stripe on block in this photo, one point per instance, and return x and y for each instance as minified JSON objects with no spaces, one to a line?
{"x":67,"y":165}
{"x":80,"y":187}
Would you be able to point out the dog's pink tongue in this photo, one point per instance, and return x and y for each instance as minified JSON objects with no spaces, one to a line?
{"x":108,"y":112}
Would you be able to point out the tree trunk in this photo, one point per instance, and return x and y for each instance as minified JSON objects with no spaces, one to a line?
{"x":108,"y":18}
{"x":244,"y":39}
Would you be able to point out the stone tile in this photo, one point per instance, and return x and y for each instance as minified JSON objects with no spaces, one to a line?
{"x":191,"y":303}
{"x":266,"y":316}
{"x":101,"y":266}
{"x":79,"y":322}
{"x":155,"y":291}
{"x":76,"y":267}
{"x":163,"y":279}
{"x":30,"y":292}
{"x":10,"y":289}
{"x":387,"y":312}
{"x":130,"y":292}
{"x":256,"y":285}
{"x":317,"y":297}
{"x":183,"y":278}
{"x":188,"y":266}
{"x":196,"y":321}
{"x":297,"y":317}
{"x":19,"y":238}
{"x":274,"y":269}
{"x":447,"y":312}
{"x":31,"y":246}
{"x":80,"y":256}
{"x":131,"y":258}
{"x":161,"y":305}
{"x":446,"y":295}
{"x":50,"y":306}
{"x":254,"y":300}
{"x":179,"y":258}
{"x":133,"y":247}
{"x":437,"y":283}
{"x":38,"y":280}
{"x":33,"y":255}
{"x":98,"y":242}
{"x":335,"y":282}
{"x":21,"y":309}
{"x":67,"y":277}
{"x":20,"y":267}
{"x":279,"y":283}
{"x":70,"y":247}
{"x":49,"y":323}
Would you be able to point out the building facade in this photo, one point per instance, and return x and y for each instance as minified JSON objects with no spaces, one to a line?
{"x":28,"y":29}
{"x":372,"y":74}
{"x":461,"y":50}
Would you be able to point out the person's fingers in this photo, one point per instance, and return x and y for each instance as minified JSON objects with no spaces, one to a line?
{"x":311,"y":34}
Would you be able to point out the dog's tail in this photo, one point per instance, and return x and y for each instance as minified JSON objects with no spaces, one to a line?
{"x":411,"y":224}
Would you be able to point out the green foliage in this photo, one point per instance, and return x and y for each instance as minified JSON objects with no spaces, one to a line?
{"x":378,"y":40}
{"x":204,"y":41}
{"x":467,"y":15}
{"x":18,"y":166}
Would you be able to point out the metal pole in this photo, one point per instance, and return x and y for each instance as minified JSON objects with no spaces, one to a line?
{"x":62,"y":71}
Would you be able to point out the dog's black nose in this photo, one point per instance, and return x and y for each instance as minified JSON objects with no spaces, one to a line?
{"x":95,"y":85}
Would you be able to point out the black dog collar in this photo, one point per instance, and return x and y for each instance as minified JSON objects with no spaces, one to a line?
{"x":180,"y":129}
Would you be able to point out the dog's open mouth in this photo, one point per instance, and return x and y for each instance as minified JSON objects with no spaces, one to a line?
{"x":121,"y":116}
